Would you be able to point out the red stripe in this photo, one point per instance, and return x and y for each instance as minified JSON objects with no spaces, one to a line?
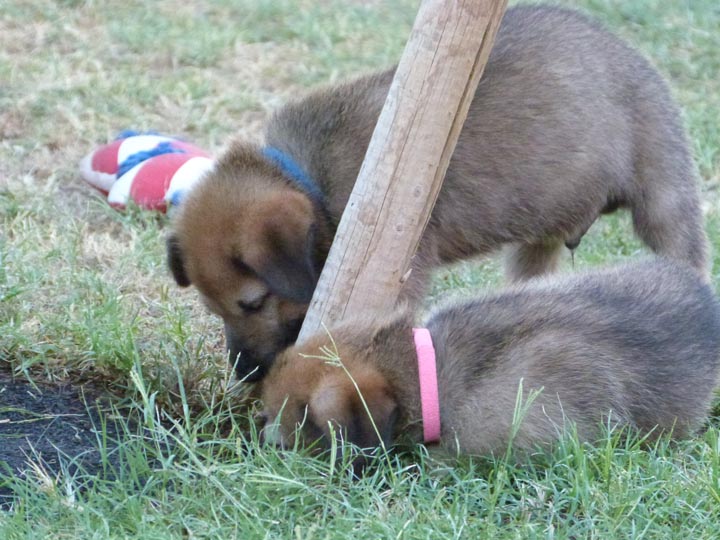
{"x":153,"y":180}
{"x":105,"y":158}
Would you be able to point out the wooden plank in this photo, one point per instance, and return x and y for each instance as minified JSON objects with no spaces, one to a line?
{"x":406,"y":160}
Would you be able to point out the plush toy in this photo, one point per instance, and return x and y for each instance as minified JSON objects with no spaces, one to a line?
{"x":152,"y":170}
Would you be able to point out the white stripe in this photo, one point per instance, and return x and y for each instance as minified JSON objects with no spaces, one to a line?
{"x":100,"y":180}
{"x":188,"y":174}
{"x":120,"y":191}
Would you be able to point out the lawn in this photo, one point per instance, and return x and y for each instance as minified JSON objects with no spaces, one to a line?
{"x":85,"y":296}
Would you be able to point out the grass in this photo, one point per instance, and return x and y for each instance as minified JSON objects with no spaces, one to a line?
{"x":85,"y":295}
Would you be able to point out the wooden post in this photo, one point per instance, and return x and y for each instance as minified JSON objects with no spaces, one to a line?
{"x":406,"y":160}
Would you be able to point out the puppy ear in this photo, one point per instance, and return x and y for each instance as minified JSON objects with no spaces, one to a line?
{"x":284,"y":254}
{"x":387,"y":331}
{"x":288,"y":269}
{"x":384,"y":412}
{"x":176,"y":262}
{"x":338,"y":402}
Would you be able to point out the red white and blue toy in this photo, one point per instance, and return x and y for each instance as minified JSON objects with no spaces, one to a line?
{"x":154,"y":171}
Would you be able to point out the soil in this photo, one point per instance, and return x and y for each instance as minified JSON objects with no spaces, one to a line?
{"x":54,"y":426}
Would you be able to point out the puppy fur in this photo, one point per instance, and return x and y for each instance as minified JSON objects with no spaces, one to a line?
{"x":637,"y":345}
{"x":568,"y":122}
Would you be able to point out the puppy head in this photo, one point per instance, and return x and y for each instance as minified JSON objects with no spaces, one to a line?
{"x":315,"y":400}
{"x":247,"y":240}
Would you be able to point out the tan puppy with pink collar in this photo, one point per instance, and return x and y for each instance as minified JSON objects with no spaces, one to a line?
{"x":637,"y":345}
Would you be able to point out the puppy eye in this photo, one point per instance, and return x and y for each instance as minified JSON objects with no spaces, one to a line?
{"x":254,"y":306}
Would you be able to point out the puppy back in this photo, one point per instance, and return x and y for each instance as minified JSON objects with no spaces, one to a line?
{"x":641,"y":339}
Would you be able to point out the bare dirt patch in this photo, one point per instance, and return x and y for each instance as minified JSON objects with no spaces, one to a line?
{"x":49,"y":430}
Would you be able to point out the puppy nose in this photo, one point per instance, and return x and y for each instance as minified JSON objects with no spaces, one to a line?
{"x":247,"y":369}
{"x":250,"y":374}
{"x":261,"y":418}
{"x":270,"y":434}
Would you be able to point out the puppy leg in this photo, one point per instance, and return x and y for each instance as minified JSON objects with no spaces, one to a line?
{"x":665,"y":204}
{"x":671,"y":224}
{"x":416,"y":286}
{"x":524,"y":261}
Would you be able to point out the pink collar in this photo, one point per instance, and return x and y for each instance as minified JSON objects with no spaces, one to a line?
{"x":429,"y":402}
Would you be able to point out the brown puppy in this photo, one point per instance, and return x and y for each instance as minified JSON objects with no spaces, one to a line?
{"x":568,"y":122}
{"x":638,"y":344}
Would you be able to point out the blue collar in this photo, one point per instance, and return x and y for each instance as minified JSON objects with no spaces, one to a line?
{"x":291,"y":169}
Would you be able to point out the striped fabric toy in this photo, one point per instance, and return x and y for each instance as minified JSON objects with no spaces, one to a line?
{"x":154,"y":171}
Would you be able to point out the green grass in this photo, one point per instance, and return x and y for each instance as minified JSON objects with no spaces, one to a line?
{"x":85,"y":295}
{"x":204,"y":479}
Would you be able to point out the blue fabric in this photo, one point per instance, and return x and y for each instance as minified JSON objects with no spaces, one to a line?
{"x":290,"y":168}
{"x":139,"y":157}
{"x":177,"y":197}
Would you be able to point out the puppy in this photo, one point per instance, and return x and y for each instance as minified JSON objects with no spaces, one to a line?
{"x":568,"y":122}
{"x":637,"y":345}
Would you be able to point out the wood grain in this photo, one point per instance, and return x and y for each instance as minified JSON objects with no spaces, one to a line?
{"x":406,"y":160}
